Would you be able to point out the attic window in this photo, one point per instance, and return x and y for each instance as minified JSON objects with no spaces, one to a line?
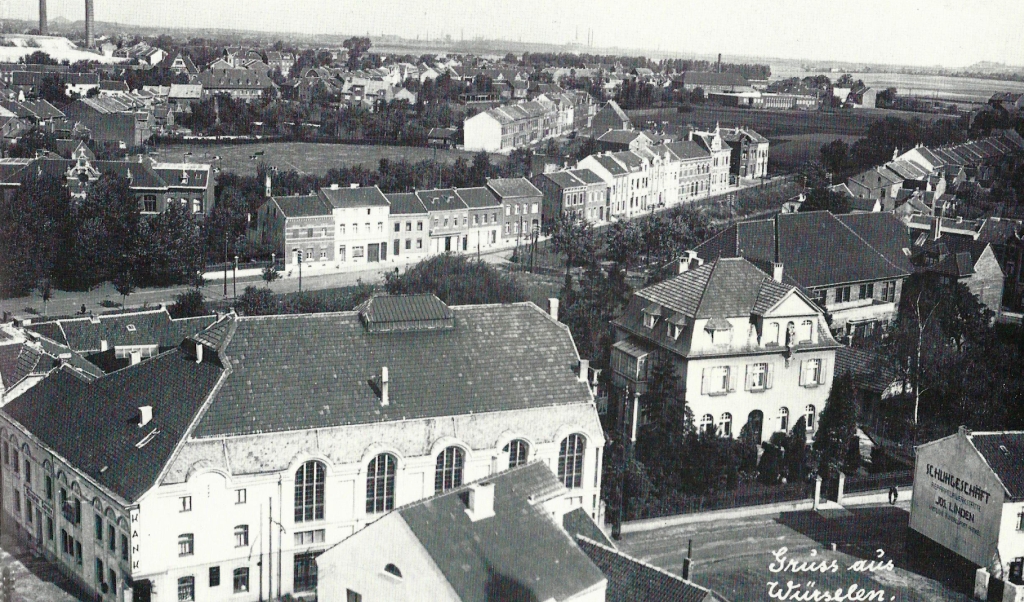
{"x":651,"y":314}
{"x":393,"y":570}
{"x":131,"y":328}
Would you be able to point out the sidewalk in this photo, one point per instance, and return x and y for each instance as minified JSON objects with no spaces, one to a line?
{"x":855,"y":499}
{"x":36,"y":579}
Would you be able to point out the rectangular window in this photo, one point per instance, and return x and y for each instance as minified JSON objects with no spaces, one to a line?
{"x":341,"y":228}
{"x":28,"y":472}
{"x":241,"y":536}
{"x":186,"y":544}
{"x":49,"y":529}
{"x":112,"y":581}
{"x":811,"y":373}
{"x":309,"y":233}
{"x":124,"y":547}
{"x":214,"y":576}
{"x":186,"y":589}
{"x":48,"y":485}
{"x":355,"y":228}
{"x":419,"y":243}
{"x":99,"y":571}
{"x":17,"y":462}
{"x":476,"y":219}
{"x":380,"y":226}
{"x":341,"y":253}
{"x":99,"y":528}
{"x":357,"y":251}
{"x":239,"y":496}
{"x":186,"y":503}
{"x":717,"y":381}
{"x":351,"y":596}
{"x":241,"y":580}
{"x":757,"y":377}
{"x":398,"y":227}
{"x":7,"y":454}
{"x":17,"y":501}
{"x":304,"y":572}
{"x":303,"y":538}
{"x":111,"y":538}
{"x":419,"y":226}
{"x":408,"y":227}
{"x":867,"y":291}
{"x":78,"y":553}
{"x":408,"y":244}
{"x":842,"y":294}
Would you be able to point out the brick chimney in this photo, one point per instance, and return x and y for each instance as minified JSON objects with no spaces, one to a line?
{"x":553,"y":308}
{"x":90,"y":29}
{"x":480,"y":504}
{"x":43,"y":30}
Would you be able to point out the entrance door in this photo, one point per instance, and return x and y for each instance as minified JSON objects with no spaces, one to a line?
{"x":447,"y":244}
{"x":755,"y":421}
{"x":397,"y":245}
{"x":465,"y":242}
{"x":384,"y":250}
{"x":373,"y":253}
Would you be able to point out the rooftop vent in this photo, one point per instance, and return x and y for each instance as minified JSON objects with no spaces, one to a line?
{"x":334,"y":186}
{"x":480,"y":503}
{"x":384,"y":386}
{"x":145,"y":415}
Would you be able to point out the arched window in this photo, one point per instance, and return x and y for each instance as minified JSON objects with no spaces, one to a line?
{"x":809,"y":410}
{"x":707,"y":423}
{"x":448,"y":472}
{"x":309,"y":491}
{"x":784,"y":420}
{"x":726,"y":424}
{"x":380,"y":484}
{"x":518,"y":451}
{"x":392,"y":569}
{"x":570,"y":460}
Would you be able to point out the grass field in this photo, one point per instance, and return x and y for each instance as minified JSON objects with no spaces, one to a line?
{"x":773,"y":124}
{"x":303,"y":157}
{"x":792,"y":151}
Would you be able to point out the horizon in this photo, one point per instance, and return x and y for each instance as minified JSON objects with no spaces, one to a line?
{"x":731,"y":28}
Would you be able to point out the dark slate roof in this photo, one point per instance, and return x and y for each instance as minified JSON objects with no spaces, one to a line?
{"x":1004,"y":452}
{"x":709,"y":78}
{"x":10,"y":366}
{"x":620,"y":136}
{"x":687,"y":150}
{"x":869,"y":370}
{"x":724,"y":288}
{"x":610,"y":164}
{"x":563,"y":179}
{"x":104,"y":442}
{"x":517,"y":554}
{"x":363,"y":196}
{"x":997,"y":230}
{"x":630,"y":580}
{"x":302,"y":206}
{"x":137,"y":328}
{"x":405,"y":203}
{"x":383,"y":312}
{"x":578,"y":522}
{"x":440,"y":199}
{"x":478,"y":197}
{"x":816,"y":248}
{"x":885,"y":233}
{"x":513,"y":187}
{"x":50,"y":330}
{"x":953,"y":256}
{"x":292,"y":372}
{"x":586,"y":176}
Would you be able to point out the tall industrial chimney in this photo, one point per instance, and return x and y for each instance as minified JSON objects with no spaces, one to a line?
{"x":719,"y":62}
{"x":42,"y":18}
{"x":90,"y":29}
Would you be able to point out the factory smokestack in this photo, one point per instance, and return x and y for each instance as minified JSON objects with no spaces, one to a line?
{"x":42,"y":18}
{"x":719,"y":62}
{"x":90,"y":29}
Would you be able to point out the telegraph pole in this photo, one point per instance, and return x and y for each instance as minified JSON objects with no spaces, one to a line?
{"x":627,"y":456}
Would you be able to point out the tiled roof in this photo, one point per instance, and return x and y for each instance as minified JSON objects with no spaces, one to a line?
{"x":136,"y":328}
{"x":885,"y":233}
{"x":563,"y":179}
{"x":630,"y":580}
{"x":302,"y":206}
{"x":105,"y":442}
{"x":478,"y":197}
{"x":816,"y":248}
{"x":705,"y":78}
{"x":578,"y":522}
{"x":620,"y":136}
{"x":440,"y":199}
{"x":513,"y":188}
{"x":294,"y":372}
{"x":405,"y":203}
{"x":610,"y":164}
{"x":869,"y":371}
{"x":723,"y":288}
{"x":519,"y":547}
{"x":362,"y":196}
{"x":997,"y":230}
{"x":687,"y":150}
{"x":586,"y":176}
{"x":1004,"y":452}
{"x":232,"y":79}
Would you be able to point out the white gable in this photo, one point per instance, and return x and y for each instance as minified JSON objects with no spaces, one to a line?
{"x":792,"y":305}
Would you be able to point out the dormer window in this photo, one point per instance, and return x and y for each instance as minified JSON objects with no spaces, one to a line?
{"x":674,"y":331}
{"x":675,"y":326}
{"x":651,"y":314}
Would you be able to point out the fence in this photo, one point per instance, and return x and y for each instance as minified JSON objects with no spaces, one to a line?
{"x":243,"y":265}
{"x":753,"y":495}
{"x":858,"y":483}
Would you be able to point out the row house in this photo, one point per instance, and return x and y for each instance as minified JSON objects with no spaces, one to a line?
{"x":449,"y":220}
{"x":229,"y":447}
{"x":297,"y":228}
{"x":627,"y":178}
{"x":749,"y":157}
{"x":29,"y":82}
{"x":409,"y":225}
{"x":240,"y":84}
{"x":752,"y":353}
{"x":853,"y":266}
{"x":511,"y":126}
{"x":360,"y":217}
{"x":577,"y":191}
{"x":694,"y":170}
{"x":721,"y":158}
{"x":522,"y":206}
{"x":484,"y":228}
{"x":611,"y":117}
{"x":117,"y":120}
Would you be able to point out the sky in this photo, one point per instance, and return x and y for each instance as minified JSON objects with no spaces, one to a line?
{"x":952,"y":33}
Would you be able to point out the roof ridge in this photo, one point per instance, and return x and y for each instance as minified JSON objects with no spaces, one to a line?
{"x":704,"y":290}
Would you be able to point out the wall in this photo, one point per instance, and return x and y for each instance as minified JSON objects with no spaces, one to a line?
{"x":987,"y":281}
{"x":962,"y":523}
{"x":482,"y":132}
{"x":322,"y":242}
{"x":414,"y":229}
{"x":353,"y":232}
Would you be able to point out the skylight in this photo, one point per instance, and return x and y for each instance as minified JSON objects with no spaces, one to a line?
{"x":145,"y":440}
{"x":131,"y":328}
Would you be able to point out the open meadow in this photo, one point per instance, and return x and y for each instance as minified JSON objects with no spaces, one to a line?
{"x":303,"y":157}
{"x":786,"y":153}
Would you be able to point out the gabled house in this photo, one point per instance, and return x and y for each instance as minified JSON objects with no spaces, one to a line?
{"x":179,"y":64}
{"x":876,"y":183}
{"x":852,"y":265}
{"x":948,"y":260}
{"x":610,"y":117}
{"x":751,"y":353}
{"x":622,"y":140}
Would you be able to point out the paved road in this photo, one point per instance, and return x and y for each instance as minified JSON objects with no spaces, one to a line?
{"x":733,"y":556}
{"x":35,"y":579}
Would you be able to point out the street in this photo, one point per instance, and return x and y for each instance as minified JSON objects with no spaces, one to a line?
{"x":734,"y":557}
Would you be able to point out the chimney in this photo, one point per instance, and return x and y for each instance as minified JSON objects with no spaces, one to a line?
{"x":584,"y":369}
{"x":104,"y":345}
{"x":145,"y":415}
{"x":334,"y":186}
{"x":553,"y":308}
{"x":937,"y":227}
{"x":777,"y":271}
{"x":268,"y":192}
{"x":136,"y":357}
{"x":199,"y":353}
{"x":89,"y":26}
{"x":689,"y":257}
{"x":384,"y":386}
{"x":719,"y":62}
{"x":42,"y":18}
{"x":354,"y":185}
{"x":480,"y":504}
{"x":963,"y":431}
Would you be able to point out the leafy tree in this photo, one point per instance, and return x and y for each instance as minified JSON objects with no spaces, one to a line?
{"x":588,"y":311}
{"x":51,"y":89}
{"x":796,"y":450}
{"x":456,"y":280}
{"x":836,"y":425}
{"x":124,"y":282}
{"x":270,"y":274}
{"x":572,"y":236}
{"x":45,"y":292}
{"x":188,"y":304}
{"x":256,"y":302}
{"x":823,"y":199}
{"x":623,"y":243}
{"x":480,"y":170}
{"x":39,"y":58}
{"x":834,"y":155}
{"x":170,"y":247}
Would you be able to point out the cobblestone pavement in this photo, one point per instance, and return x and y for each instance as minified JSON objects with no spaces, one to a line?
{"x":36,"y":579}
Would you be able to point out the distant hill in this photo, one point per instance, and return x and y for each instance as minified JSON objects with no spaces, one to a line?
{"x":994,"y":68}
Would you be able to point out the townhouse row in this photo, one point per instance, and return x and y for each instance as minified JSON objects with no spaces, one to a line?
{"x":341,"y":226}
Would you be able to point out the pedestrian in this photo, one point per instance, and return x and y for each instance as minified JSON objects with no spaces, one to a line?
{"x":895,"y":494}
{"x":83,"y":309}
{"x":891,"y":497}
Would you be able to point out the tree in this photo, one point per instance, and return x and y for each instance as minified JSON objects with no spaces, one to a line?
{"x":796,"y":450}
{"x":480,"y":170}
{"x":823,"y":199}
{"x":39,"y":58}
{"x":836,"y":425}
{"x":51,"y":89}
{"x":124,"y":282}
{"x":834,"y":155}
{"x":188,"y":304}
{"x":572,"y":236}
{"x":45,"y":292}
{"x":456,"y":280}
{"x":623,"y":243}
{"x":256,"y":302}
{"x":270,"y":274}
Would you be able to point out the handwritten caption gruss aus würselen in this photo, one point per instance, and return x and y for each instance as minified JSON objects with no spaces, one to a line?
{"x":809,"y":591}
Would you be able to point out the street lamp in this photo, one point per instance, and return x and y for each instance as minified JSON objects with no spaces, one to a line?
{"x":234,"y":278}
{"x":299,"y":257}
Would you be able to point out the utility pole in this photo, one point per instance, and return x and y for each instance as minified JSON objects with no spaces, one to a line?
{"x":225,"y":264}
{"x":234,"y":278}
{"x":627,"y":457}
{"x":299,"y":256}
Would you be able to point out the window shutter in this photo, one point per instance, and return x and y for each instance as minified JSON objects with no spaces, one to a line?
{"x":822,"y":378}
{"x":747,"y":379}
{"x":769,"y":376}
{"x":803,"y":372}
{"x":704,"y":382}
{"x":734,"y":375}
